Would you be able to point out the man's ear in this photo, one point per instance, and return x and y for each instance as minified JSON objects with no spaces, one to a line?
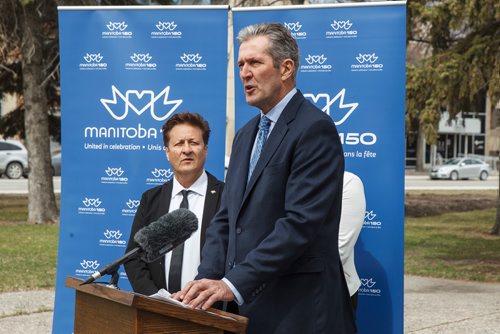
{"x":287,"y":68}
{"x":166,"y":153}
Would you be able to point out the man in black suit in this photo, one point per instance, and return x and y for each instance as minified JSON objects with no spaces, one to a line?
{"x":185,"y":136}
{"x":273,"y":245}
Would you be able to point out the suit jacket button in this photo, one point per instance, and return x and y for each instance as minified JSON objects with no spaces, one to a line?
{"x":238,"y":230}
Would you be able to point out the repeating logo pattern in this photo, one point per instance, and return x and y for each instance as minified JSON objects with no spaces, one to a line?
{"x":167,"y":26}
{"x":93,"y":61}
{"x":140,"y":57}
{"x":113,"y":234}
{"x":130,"y":207}
{"x":316,"y":63}
{"x":166,"y":29}
{"x":114,"y":175}
{"x":295,"y":29}
{"x":91,"y":206}
{"x":160,"y":176}
{"x":116,"y":29}
{"x":112,"y":238}
{"x":317,"y":59}
{"x":366,"y":58}
{"x":91,"y":202}
{"x":89,"y":264}
{"x":341,"y":25}
{"x":191,"y":62}
{"x":140,"y":61}
{"x":370,"y":221}
{"x":114,"y":171}
{"x":162,"y":173}
{"x":368,"y":282}
{"x":133,"y":203}
{"x":368,"y":288}
{"x":293,"y":26}
{"x":341,"y":29}
{"x":86,"y":268}
{"x":367,"y":62}
{"x":96,"y":58}
{"x":191,"y":58}
{"x":118,"y":26}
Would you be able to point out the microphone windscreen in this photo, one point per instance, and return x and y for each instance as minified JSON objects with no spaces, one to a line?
{"x":166,"y":233}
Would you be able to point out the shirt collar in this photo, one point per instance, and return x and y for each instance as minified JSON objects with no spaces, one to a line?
{"x":199,"y":186}
{"x":275,"y":113}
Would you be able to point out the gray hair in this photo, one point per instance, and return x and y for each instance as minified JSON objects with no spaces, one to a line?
{"x":282,"y":45}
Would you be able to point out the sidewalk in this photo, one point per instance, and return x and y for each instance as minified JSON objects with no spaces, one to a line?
{"x":431,"y":306}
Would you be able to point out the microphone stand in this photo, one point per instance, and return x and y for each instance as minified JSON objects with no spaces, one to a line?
{"x":114,"y":280}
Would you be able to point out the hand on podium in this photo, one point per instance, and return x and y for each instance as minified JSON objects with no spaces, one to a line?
{"x":204,"y":293}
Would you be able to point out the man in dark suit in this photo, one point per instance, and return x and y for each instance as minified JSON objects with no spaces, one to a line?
{"x":273,"y":245}
{"x":185,"y":136}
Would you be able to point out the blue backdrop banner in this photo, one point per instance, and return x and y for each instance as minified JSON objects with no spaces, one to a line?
{"x":124,"y":72}
{"x":352,"y":66}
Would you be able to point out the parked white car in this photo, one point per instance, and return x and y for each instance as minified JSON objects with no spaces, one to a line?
{"x":461,"y":168}
{"x":13,"y":159}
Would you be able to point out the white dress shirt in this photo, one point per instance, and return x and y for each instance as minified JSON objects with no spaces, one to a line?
{"x":351,"y":222}
{"x":191,"y":255}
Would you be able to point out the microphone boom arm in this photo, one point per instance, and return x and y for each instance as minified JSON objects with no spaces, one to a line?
{"x":113,"y":266}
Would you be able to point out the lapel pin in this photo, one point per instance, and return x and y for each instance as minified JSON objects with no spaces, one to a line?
{"x":213,"y":191}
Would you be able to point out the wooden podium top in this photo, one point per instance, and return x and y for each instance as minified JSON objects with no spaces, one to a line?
{"x":212,"y":317}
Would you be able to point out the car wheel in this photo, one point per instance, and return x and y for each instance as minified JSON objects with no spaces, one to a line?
{"x":14,"y":170}
{"x":483,"y":176}
{"x":454,"y":176}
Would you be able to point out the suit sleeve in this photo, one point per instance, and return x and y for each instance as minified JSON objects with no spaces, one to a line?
{"x":313,"y":186}
{"x":213,"y":256}
{"x":137,"y":270}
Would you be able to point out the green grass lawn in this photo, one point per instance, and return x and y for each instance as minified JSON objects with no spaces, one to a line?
{"x":455,"y":246}
{"x":27,"y":256}
{"x":13,"y":208}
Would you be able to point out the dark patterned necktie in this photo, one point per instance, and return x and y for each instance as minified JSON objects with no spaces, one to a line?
{"x":264,"y":125}
{"x":175,"y":273}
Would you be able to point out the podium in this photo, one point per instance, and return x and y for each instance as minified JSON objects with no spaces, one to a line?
{"x":100,"y":309}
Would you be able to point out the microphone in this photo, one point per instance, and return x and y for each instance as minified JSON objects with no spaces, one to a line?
{"x":155,"y":240}
{"x":169,"y":231}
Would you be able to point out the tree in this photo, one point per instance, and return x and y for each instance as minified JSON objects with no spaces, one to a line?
{"x":29,"y":68}
{"x":461,"y":65}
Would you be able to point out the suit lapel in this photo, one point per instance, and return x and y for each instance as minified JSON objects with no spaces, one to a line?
{"x":210,"y":206}
{"x":241,"y":159}
{"x":274,"y":140}
{"x":164,"y":203}
{"x":163,"y":206}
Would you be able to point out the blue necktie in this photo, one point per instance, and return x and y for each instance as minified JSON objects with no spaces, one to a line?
{"x":264,"y":125}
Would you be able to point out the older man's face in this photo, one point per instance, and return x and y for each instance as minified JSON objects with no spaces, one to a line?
{"x":262,"y":81}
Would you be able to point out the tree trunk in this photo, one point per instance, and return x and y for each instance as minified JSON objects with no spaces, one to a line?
{"x":496,"y":228}
{"x":420,"y":154}
{"x":42,"y":207}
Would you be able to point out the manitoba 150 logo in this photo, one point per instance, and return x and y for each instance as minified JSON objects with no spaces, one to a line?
{"x":340,"y":111}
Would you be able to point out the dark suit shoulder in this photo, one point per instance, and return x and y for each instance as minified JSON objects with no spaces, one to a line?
{"x":156,"y":191}
{"x":308,"y":110}
{"x":212,"y":180}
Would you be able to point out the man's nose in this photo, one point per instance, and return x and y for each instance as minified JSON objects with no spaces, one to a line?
{"x":245,"y":72}
{"x":186,"y":148}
